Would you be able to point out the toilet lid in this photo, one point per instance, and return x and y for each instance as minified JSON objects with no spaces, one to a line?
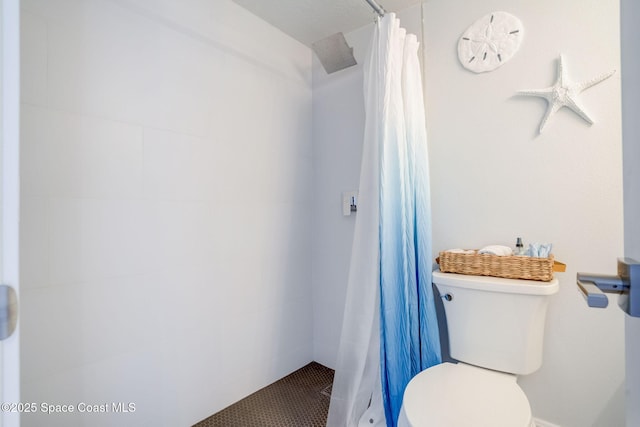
{"x":455,"y":395}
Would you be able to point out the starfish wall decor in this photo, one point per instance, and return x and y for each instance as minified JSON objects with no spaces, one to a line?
{"x":564,"y":94}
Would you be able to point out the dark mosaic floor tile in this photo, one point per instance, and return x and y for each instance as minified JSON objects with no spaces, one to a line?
{"x":300,"y":399}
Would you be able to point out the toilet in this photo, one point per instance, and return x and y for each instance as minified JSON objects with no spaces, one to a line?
{"x":496,"y":331}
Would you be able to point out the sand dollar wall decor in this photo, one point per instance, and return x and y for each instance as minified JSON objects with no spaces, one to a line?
{"x":490,"y":42}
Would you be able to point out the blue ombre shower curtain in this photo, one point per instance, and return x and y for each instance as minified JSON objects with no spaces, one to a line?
{"x":390,"y":331}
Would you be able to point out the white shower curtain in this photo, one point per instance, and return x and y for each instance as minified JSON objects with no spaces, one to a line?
{"x":391,"y":253}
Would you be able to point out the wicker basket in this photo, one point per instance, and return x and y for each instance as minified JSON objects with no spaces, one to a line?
{"x":511,"y":267}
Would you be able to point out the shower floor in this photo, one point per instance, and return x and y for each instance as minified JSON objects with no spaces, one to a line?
{"x":300,"y":399}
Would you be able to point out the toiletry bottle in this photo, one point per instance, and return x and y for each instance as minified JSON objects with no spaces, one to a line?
{"x":519,"y":247}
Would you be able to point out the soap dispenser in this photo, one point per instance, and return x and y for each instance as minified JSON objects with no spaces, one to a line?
{"x":519,"y":247}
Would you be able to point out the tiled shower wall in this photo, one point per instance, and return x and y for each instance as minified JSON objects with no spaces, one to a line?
{"x":166,"y":177}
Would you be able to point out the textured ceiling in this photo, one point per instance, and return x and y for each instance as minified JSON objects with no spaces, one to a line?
{"x":311,"y":20}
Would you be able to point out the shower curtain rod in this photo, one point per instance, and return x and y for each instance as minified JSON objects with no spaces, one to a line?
{"x":376,"y":7}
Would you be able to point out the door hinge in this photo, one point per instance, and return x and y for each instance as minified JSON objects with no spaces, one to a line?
{"x":8,"y":311}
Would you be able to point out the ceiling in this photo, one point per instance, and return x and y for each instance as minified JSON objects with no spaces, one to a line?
{"x":311,"y":20}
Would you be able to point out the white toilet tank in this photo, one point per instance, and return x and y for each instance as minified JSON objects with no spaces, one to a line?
{"x":495,"y":323}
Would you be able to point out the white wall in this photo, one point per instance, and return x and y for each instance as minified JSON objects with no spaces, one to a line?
{"x":338,"y":126}
{"x":494,"y":179}
{"x":166,"y":241}
{"x":564,"y":186}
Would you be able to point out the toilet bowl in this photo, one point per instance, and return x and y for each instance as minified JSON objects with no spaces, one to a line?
{"x":460,"y":395}
{"x":495,"y":329}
